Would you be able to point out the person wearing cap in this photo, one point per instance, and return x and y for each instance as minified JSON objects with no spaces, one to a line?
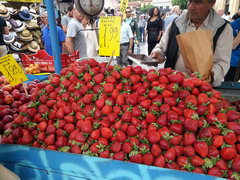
{"x":75,"y":40}
{"x":202,"y":16}
{"x":47,"y":39}
{"x":3,"y":30}
{"x":67,"y":18}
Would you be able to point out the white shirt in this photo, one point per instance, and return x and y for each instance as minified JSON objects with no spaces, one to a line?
{"x":92,"y":42}
{"x":126,"y":33}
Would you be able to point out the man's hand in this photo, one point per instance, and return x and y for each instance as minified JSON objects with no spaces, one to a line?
{"x":157,"y":56}
{"x":129,"y":51}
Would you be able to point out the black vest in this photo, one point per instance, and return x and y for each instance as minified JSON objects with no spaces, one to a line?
{"x":172,"y":47}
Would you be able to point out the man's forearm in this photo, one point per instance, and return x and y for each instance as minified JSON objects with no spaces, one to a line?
{"x":69,"y":45}
{"x":130,"y":43}
{"x":236,"y":41}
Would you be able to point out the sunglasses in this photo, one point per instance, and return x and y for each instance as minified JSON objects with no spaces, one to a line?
{"x":128,"y":11}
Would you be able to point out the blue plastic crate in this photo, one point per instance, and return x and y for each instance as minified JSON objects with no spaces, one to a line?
{"x":31,"y":163}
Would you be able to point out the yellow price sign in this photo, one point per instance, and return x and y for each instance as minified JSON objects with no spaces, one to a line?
{"x":11,"y":70}
{"x":30,"y":1}
{"x":123,"y":6}
{"x":109,"y":37}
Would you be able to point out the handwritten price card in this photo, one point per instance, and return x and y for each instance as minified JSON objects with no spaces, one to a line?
{"x":123,"y":6}
{"x":11,"y":70}
{"x":109,"y":38}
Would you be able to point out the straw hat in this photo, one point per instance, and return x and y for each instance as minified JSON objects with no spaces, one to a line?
{"x":26,"y":35}
{"x":9,"y":25}
{"x":33,"y":12}
{"x":33,"y":46}
{"x":8,"y":39}
{"x":4,"y":12}
{"x":32,"y":24}
{"x":24,"y":8}
{"x":25,"y":15}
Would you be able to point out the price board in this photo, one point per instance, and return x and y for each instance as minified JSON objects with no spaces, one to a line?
{"x":123,"y":6}
{"x":109,"y":37}
{"x":11,"y":70}
{"x":30,"y":1}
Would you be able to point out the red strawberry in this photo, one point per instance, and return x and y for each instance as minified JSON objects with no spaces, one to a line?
{"x":233,"y":115}
{"x":156,"y":150}
{"x":189,"y":139}
{"x":42,"y":126}
{"x":205,"y":86}
{"x":191,"y":124}
{"x":95,"y":134}
{"x":176,"y":78}
{"x":217,"y":141}
{"x":126,"y":147}
{"x":182,"y":161}
{"x":126,"y":72}
{"x":121,"y":136}
{"x":198,"y":170}
{"x":119,"y":156}
{"x":201,"y":148}
{"x":116,"y":147}
{"x":132,"y":99}
{"x":197,"y":161}
{"x":228,"y":153}
{"x":27,"y":138}
{"x":189,"y":151}
{"x":51,"y":129}
{"x":136,"y":158}
{"x":146,"y":104}
{"x":150,"y":118}
{"x":50,"y":140}
{"x":222,"y":164}
{"x":170,"y":155}
{"x":236,"y":164}
{"x":148,"y":159}
{"x":203,"y":98}
{"x":153,"y":137}
{"x":170,"y":101}
{"x":176,"y":140}
{"x":152,"y":76}
{"x":160,"y":161}
{"x":106,"y":132}
{"x":213,"y":152}
{"x":230,"y":138}
{"x":132,"y":130}
{"x":215,"y":171}
{"x":235,"y":126}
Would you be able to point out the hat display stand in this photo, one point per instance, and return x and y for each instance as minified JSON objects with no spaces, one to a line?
{"x":25,"y":33}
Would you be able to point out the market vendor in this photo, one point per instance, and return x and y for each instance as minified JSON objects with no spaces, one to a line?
{"x":200,"y":15}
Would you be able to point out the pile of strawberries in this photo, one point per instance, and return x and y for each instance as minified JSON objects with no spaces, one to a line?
{"x":158,"y":118}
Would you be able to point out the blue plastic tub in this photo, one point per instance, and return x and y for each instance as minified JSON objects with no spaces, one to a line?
{"x":37,"y":164}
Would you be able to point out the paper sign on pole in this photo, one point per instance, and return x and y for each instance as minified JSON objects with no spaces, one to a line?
{"x":30,"y":1}
{"x":123,"y":6}
{"x":11,"y":70}
{"x":109,"y":37}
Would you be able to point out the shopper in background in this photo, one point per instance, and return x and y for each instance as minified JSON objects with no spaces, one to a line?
{"x":222,"y":14}
{"x":76,"y":40}
{"x":132,"y":22}
{"x":67,"y":18}
{"x":3,"y":30}
{"x":47,"y":39}
{"x":126,"y":42}
{"x":91,"y":38}
{"x":200,"y":15}
{"x":235,"y":58}
{"x":141,"y":26}
{"x":174,"y":13}
{"x":154,"y":28}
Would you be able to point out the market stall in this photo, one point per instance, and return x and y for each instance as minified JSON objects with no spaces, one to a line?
{"x":98,"y":120}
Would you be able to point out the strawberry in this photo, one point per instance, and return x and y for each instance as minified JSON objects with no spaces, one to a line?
{"x":221,"y":164}
{"x":164,"y":108}
{"x":188,"y":84}
{"x":235,"y":126}
{"x":177,"y":128}
{"x":205,"y":86}
{"x":230,"y":138}
{"x":51,"y":129}
{"x":233,"y":115}
{"x":69,"y":127}
{"x":119,"y":156}
{"x":146,"y":104}
{"x":236,"y":164}
{"x":136,"y":158}
{"x":217,"y":141}
{"x":132,"y":99}
{"x":213,"y":152}
{"x":198,"y":170}
{"x":176,"y":78}
{"x":182,"y":161}
{"x":203,"y":98}
{"x":153,"y":137}
{"x":152,"y":76}
{"x":176,"y":140}
{"x":215,"y":171}
{"x":148,"y":159}
{"x":126,"y":72}
{"x":189,"y":139}
{"x":42,"y":126}
{"x":156,"y":150}
{"x":160,"y":161}
{"x":150,"y":118}
{"x":191,"y":125}
{"x":27,"y":138}
{"x":197,"y":161}
{"x":170,"y":155}
{"x":50,"y":140}
{"x":164,"y":144}
{"x":132,"y":131}
{"x":61,"y":141}
{"x":201,"y":148}
{"x":106,"y":132}
{"x":116,"y":147}
{"x":189,"y":151}
{"x":228,"y":153}
{"x":170,"y":101}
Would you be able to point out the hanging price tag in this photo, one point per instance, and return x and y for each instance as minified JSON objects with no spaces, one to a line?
{"x":11,"y":70}
{"x":109,"y":38}
{"x":30,"y":1}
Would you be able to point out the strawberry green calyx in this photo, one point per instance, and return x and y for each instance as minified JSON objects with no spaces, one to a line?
{"x":34,"y":104}
{"x":144,"y":150}
{"x":30,"y":124}
{"x":167,"y":136}
{"x":64,"y":149}
{"x":135,"y":151}
{"x":188,"y":167}
{"x":236,"y":176}
{"x":85,"y":147}
{"x":195,"y":117}
{"x":208,"y":164}
{"x":101,"y":148}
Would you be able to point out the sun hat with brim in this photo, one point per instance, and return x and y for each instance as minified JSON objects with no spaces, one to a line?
{"x":26,"y":35}
{"x":4,"y":12}
{"x":36,"y":35}
{"x":33,"y":13}
{"x":32,"y":24}
{"x":16,"y":46}
{"x":25,"y":15}
{"x":33,"y":46}
{"x":9,"y":25}
{"x":8,"y":39}
{"x":17,"y":25}
{"x":24,"y":8}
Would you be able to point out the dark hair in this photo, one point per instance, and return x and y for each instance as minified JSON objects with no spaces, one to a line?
{"x":152,"y":10}
{"x":70,"y":8}
{"x":236,"y":16}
